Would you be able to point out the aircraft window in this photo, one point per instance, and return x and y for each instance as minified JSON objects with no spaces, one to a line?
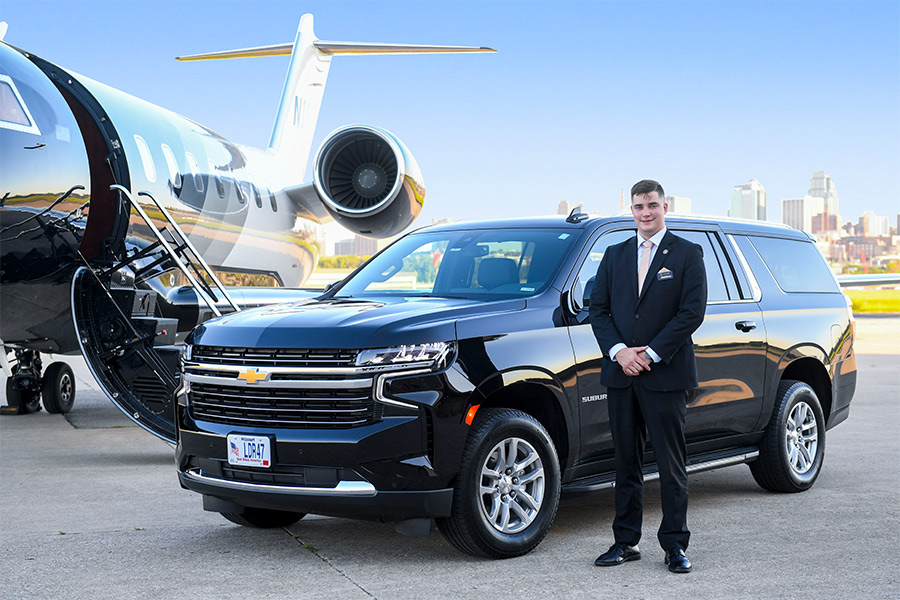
{"x":240,"y":192}
{"x":220,"y":183}
{"x":247,"y":190}
{"x":14,"y":113}
{"x":195,"y":171}
{"x":272,"y":201}
{"x":172,"y":165}
{"x":146,"y":159}
{"x":258,"y":197}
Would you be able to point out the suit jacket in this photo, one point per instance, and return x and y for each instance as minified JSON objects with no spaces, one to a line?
{"x":668,"y":310}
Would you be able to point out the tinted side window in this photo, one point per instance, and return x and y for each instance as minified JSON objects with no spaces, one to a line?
{"x":715,"y":282}
{"x":588,"y":270}
{"x":796,"y":265}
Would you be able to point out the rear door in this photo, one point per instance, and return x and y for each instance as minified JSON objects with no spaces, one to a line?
{"x":730,"y":348}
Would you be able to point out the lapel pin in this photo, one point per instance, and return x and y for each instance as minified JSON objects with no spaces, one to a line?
{"x":666,"y":251}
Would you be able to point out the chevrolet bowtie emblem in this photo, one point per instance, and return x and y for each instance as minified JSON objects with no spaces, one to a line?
{"x":252,"y":376}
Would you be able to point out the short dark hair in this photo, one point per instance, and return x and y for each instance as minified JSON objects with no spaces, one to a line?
{"x":645,"y":186}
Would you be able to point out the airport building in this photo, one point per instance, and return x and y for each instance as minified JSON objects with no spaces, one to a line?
{"x":358,"y":246}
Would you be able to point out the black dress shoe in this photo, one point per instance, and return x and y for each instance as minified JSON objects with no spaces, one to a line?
{"x":618,"y":554}
{"x":677,"y":561}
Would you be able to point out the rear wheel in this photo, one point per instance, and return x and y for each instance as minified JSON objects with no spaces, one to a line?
{"x":58,"y":388}
{"x":263,"y":518}
{"x":507,"y":491}
{"x":793,"y":447}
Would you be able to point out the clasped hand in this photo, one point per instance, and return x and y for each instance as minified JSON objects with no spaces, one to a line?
{"x":633,"y":360}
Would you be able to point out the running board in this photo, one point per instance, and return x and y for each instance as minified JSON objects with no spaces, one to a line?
{"x":697,"y":464}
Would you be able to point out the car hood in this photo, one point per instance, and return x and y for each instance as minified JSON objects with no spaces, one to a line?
{"x":347,"y":322}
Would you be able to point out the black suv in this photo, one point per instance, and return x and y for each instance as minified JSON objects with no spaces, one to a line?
{"x":455,"y":376}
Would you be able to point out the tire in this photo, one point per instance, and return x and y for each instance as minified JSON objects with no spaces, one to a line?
{"x":26,"y":401}
{"x":263,"y":518}
{"x":58,"y":388}
{"x":495,"y":513}
{"x":793,"y":446}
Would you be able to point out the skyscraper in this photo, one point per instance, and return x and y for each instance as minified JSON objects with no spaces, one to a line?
{"x":870,"y":225}
{"x":821,"y":186}
{"x":799,"y":212}
{"x":748,"y":201}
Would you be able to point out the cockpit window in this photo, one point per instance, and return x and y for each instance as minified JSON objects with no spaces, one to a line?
{"x":14,"y":113}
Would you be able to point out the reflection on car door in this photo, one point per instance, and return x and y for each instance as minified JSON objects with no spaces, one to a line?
{"x":596,"y":439}
{"x":730,"y":349}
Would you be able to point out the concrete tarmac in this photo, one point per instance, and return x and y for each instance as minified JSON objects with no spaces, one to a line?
{"x":92,"y":509}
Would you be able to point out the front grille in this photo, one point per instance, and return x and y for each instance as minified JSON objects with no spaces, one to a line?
{"x":275,"y":357}
{"x":283,"y":407}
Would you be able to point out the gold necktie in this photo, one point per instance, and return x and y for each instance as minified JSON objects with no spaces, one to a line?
{"x":645,"y":265}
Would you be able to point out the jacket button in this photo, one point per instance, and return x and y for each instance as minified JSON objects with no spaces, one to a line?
{"x":637,"y":316}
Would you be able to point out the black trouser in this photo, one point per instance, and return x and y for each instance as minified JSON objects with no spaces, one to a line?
{"x":633,"y":412}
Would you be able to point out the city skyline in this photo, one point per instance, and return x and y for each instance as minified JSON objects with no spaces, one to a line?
{"x":570,"y":108}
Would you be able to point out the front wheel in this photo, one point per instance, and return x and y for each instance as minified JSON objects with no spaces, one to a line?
{"x":263,"y":518}
{"x":793,"y":447}
{"x":507,"y":491}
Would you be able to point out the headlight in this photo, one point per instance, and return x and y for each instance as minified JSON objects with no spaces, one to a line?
{"x":426,"y":355}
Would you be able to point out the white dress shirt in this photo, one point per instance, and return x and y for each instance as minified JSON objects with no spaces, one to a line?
{"x":657,"y":240}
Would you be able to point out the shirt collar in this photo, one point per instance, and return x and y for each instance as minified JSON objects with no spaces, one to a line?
{"x":656,"y":239}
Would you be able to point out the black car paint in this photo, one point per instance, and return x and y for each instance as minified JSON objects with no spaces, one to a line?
{"x":534,"y":355}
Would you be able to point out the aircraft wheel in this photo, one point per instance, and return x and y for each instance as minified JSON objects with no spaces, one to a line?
{"x":58,"y":388}
{"x":26,"y":401}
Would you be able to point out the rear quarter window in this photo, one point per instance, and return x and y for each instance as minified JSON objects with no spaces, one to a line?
{"x":797,"y":266}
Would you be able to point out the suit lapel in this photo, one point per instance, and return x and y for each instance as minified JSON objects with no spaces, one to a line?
{"x":658,"y":259}
{"x":631,"y":267}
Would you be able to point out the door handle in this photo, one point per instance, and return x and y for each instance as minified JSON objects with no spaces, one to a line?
{"x":745,"y":326}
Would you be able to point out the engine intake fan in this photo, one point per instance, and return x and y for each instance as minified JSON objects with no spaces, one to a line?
{"x":368,"y":181}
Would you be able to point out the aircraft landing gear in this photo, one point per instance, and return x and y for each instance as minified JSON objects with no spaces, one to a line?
{"x":58,"y":388}
{"x":26,"y":386}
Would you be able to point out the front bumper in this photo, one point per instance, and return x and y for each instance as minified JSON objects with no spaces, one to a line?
{"x":352,"y":499}
{"x":399,"y":466}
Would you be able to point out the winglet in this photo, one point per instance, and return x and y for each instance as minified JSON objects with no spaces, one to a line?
{"x":3,"y":28}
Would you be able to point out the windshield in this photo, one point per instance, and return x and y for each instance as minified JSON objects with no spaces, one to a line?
{"x":472,"y":264}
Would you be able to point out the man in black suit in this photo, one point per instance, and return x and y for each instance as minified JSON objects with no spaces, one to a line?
{"x":649,"y":296}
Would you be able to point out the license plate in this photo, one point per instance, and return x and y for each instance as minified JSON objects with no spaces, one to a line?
{"x":249,"y":451}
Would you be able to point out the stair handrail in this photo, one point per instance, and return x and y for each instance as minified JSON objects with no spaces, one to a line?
{"x":187,"y":242}
{"x":169,"y":250}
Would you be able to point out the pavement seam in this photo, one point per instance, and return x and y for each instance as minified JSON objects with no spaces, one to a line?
{"x":312,"y":549}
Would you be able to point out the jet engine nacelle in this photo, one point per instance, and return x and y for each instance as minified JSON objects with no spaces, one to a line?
{"x":368,"y":181}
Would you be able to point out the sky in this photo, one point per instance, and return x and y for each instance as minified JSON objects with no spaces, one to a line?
{"x":581,"y":100}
